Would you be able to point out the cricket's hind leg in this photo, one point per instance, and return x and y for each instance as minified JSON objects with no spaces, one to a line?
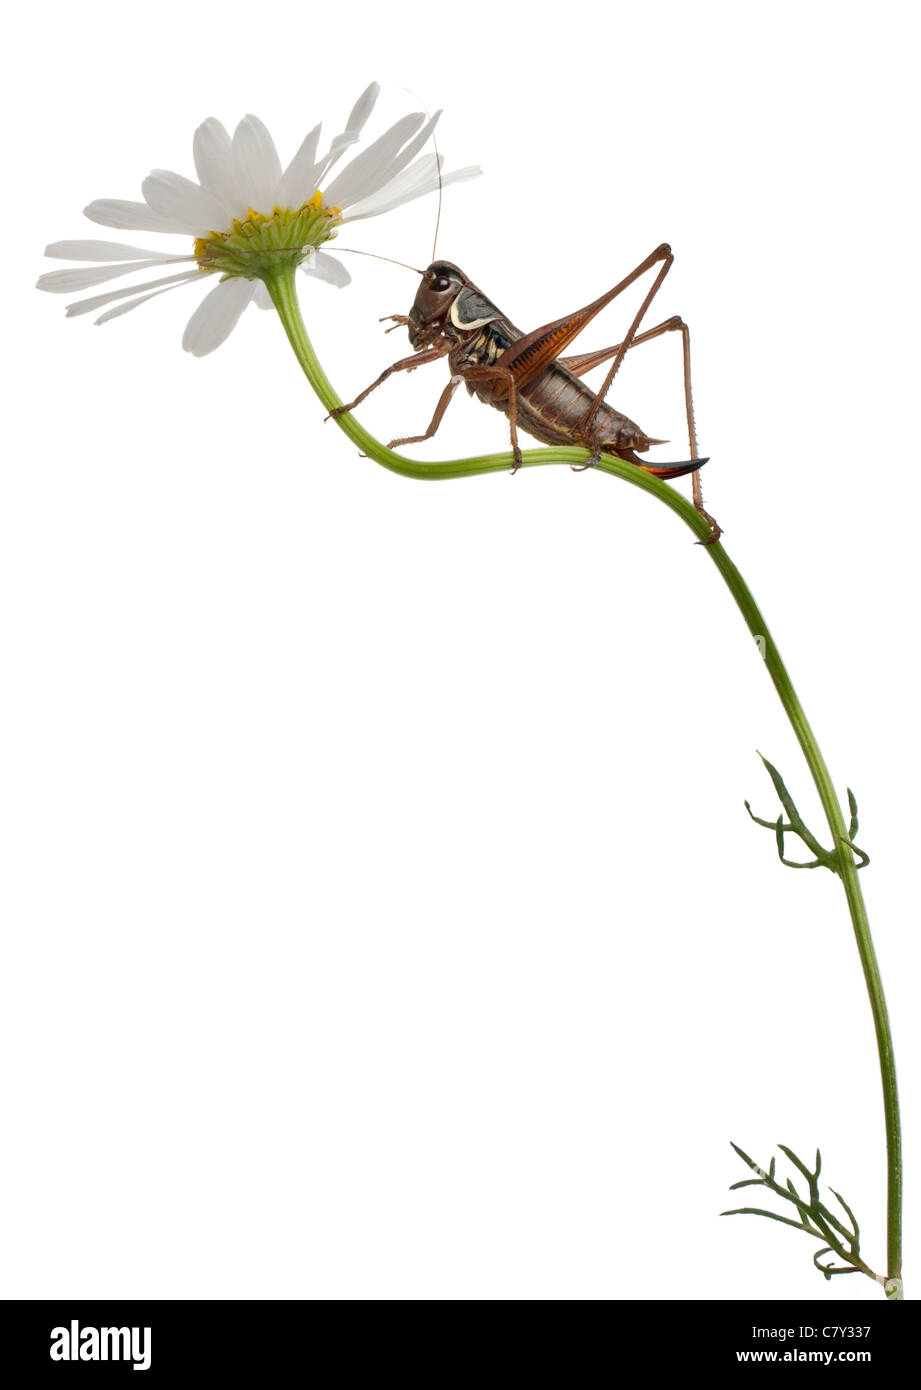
{"x":586,"y":361}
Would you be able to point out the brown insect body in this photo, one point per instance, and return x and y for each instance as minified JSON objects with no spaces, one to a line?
{"x":554,"y":402}
{"x":523,"y":375}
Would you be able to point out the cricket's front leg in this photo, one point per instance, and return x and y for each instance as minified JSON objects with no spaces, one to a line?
{"x":406,"y":364}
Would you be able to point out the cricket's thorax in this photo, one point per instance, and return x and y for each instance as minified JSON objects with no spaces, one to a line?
{"x":486,"y":347}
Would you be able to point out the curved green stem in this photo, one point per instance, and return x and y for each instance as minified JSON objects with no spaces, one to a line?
{"x":282,"y":289}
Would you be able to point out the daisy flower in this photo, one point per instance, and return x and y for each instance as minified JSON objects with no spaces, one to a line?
{"x":248,"y":215}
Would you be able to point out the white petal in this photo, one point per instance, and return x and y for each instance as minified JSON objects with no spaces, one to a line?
{"x":132,"y":304}
{"x":325,"y":267}
{"x":424,"y":172}
{"x":86,"y":306}
{"x":184,"y":202}
{"x":415,"y":145}
{"x":335,"y":152}
{"x":363,"y":108}
{"x":262,"y":299}
{"x":256,"y":166}
{"x":370,"y":169}
{"x":402,"y":191}
{"x":103,"y":251}
{"x":356,"y":122}
{"x":298,"y":182}
{"x":213,"y":155}
{"x":130,"y":217}
{"x":81,"y":277}
{"x":216,"y":316}
{"x":400,"y":162}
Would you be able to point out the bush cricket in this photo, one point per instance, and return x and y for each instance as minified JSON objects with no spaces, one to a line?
{"x":522,"y":375}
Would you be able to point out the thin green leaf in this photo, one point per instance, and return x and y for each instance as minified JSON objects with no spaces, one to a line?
{"x":771,"y":1216}
{"x":797,"y":1162}
{"x":745,"y":1158}
{"x":852,"y":805}
{"x":855,"y":1234}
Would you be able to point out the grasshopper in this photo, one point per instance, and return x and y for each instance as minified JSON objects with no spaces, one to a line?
{"x":522,"y":375}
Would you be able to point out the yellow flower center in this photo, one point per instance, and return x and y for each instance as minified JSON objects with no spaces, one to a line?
{"x":258,"y":244}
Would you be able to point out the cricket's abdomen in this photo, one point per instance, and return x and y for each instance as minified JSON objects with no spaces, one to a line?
{"x":554,"y":406}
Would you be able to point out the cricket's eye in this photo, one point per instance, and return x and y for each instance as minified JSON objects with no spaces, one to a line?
{"x":441,"y":282}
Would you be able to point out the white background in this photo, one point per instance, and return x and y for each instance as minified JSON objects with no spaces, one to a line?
{"x":382,"y":916}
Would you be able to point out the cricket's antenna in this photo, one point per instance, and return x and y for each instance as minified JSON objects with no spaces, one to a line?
{"x":350,"y":251}
{"x":416,"y":97}
{"x":438,"y":214}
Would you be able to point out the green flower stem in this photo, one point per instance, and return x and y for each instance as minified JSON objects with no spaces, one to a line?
{"x":282,"y":289}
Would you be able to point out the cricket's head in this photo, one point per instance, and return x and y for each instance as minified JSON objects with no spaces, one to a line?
{"x":447,"y":304}
{"x":428,"y":318}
